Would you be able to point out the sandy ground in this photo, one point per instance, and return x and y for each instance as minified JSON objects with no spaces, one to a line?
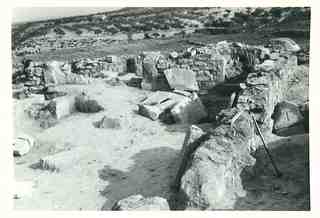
{"x":106,"y":165}
{"x":111,"y":164}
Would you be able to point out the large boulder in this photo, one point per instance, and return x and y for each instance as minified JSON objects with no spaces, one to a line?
{"x":214,"y":161}
{"x":286,"y":114}
{"x":182,"y":79}
{"x":157,"y":103}
{"x":138,"y":202}
{"x":192,"y":140}
{"x":189,"y":110}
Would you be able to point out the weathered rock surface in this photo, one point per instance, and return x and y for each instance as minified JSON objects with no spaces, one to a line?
{"x":157,"y":103}
{"x":265,"y":87}
{"x":182,"y":79}
{"x":286,"y":114}
{"x":182,"y":108}
{"x":209,"y":174}
{"x":192,"y":140}
{"x":189,"y":110}
{"x":152,"y":65}
{"x":214,"y":161}
{"x":138,"y":202}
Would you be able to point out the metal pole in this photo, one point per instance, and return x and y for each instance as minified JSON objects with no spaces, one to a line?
{"x":278,"y":173}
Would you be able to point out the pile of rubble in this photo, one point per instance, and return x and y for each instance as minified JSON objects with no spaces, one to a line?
{"x":214,"y":155}
{"x":48,"y":113}
{"x":98,"y":67}
{"x":213,"y":159}
{"x":212,"y":65}
{"x":29,"y":75}
{"x":35,"y":76}
{"x":32,"y":46}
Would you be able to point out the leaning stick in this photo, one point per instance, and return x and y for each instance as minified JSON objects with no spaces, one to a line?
{"x":278,"y":173}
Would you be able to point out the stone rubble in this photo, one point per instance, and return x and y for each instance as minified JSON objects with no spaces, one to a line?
{"x":211,"y":162}
{"x":138,"y":202}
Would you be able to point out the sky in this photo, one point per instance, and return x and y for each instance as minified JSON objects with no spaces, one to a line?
{"x":23,"y":14}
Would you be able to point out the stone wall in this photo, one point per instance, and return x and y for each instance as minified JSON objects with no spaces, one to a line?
{"x":34,"y":76}
{"x":94,"y":67}
{"x":212,"y":161}
{"x":30,"y":74}
{"x":266,"y":86}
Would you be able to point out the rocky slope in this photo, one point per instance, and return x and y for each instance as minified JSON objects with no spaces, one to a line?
{"x":138,"y":23}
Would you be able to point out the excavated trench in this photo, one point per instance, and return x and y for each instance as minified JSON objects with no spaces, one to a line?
{"x":215,"y":153}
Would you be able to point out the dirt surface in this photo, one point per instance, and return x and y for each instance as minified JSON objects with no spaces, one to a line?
{"x":107,"y":165}
{"x":291,"y":191}
{"x":139,"y":158}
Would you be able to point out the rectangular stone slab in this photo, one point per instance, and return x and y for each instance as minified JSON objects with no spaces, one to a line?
{"x":182,"y":79}
{"x":64,"y":106}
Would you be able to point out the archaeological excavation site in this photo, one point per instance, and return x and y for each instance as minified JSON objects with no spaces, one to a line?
{"x":162,"y":109}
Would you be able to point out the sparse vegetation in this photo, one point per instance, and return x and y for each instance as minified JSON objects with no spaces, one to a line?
{"x":130,"y":20}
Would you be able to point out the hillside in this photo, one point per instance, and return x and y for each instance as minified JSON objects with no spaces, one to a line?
{"x":141,"y":23}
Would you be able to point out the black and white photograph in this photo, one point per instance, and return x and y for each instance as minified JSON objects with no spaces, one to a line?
{"x":160,"y":108}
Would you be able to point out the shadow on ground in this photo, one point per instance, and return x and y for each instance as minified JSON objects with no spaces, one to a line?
{"x":289,"y":192}
{"x":151,"y":174}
